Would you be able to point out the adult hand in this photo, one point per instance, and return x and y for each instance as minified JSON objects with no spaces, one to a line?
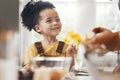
{"x":104,"y":36}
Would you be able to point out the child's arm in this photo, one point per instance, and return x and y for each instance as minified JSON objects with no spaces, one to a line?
{"x":71,"y":51}
{"x":29,"y":54}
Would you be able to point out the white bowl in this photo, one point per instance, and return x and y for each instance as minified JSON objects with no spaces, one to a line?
{"x":100,"y":63}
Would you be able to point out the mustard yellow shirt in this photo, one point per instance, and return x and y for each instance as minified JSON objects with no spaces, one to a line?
{"x":48,"y":50}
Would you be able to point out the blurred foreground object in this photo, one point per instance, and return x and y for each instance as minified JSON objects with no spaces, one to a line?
{"x":99,"y":55}
{"x":94,"y":58}
{"x":8,"y":29}
{"x":45,"y":73}
{"x":9,"y":14}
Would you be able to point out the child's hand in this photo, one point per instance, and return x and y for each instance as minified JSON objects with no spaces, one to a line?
{"x":71,"y":50}
{"x":26,"y":69}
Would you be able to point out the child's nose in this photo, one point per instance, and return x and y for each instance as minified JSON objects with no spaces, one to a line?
{"x":55,"y":22}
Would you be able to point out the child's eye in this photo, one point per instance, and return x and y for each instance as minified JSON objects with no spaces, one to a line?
{"x":48,"y":21}
{"x":57,"y":20}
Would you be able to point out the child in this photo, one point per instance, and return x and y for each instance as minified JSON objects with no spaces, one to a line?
{"x":43,"y":18}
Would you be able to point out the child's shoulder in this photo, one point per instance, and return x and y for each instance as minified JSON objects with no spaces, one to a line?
{"x":65,"y":44}
{"x":33,"y":45}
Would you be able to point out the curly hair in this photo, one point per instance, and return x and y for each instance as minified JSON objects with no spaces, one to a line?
{"x":30,"y":13}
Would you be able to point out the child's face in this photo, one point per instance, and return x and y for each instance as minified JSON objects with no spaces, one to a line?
{"x":49,"y":23}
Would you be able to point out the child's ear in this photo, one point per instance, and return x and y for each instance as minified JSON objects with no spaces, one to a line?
{"x":37,"y":28}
